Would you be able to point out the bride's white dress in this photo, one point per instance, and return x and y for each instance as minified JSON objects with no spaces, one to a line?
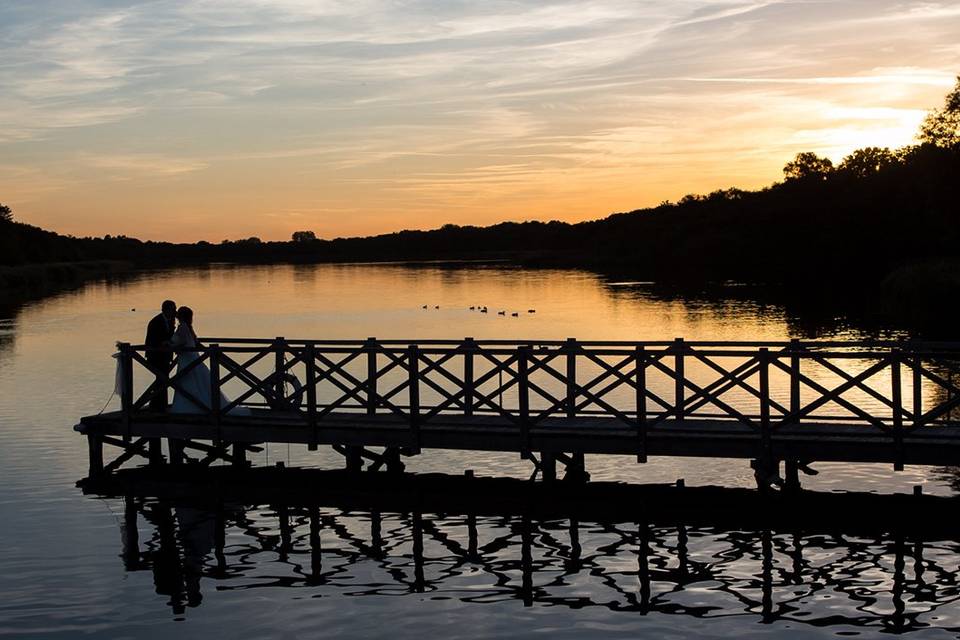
{"x":196,"y":382}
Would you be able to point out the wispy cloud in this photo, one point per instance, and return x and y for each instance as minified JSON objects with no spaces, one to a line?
{"x":474,"y":110}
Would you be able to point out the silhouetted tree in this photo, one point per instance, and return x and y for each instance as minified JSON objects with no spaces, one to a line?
{"x":6,"y":213}
{"x":304,"y":236}
{"x":866,"y":162}
{"x":941,"y":127}
{"x":808,"y":166}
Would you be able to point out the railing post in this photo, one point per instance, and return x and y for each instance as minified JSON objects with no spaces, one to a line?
{"x":763,"y":358}
{"x":413,"y":368}
{"x":571,"y":348}
{"x":469,"y":346}
{"x":679,"y":348}
{"x":917,"y":389}
{"x":95,"y":447}
{"x":278,"y":364}
{"x":523,"y":393}
{"x":311,"y":362}
{"x":896,"y":399}
{"x":126,"y":388}
{"x":371,"y":349}
{"x":640,"y":362}
{"x":795,"y":379}
{"x":215,"y":407}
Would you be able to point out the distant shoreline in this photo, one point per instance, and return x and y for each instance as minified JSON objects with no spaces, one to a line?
{"x":36,"y":281}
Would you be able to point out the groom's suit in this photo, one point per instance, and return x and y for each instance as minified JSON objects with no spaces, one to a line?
{"x":159,"y":332}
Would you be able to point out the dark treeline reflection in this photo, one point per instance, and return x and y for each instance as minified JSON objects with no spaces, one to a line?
{"x":885,"y":581}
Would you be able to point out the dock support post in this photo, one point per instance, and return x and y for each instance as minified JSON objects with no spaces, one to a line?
{"x":392,"y":457}
{"x":576,"y":469}
{"x":548,"y":466}
{"x":354,"y":458}
{"x":95,"y":446}
{"x":154,"y":451}
{"x":176,"y":451}
{"x":239,"y":455}
{"x":791,"y":472}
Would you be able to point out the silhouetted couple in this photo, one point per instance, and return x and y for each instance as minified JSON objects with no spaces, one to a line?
{"x":171,"y":331}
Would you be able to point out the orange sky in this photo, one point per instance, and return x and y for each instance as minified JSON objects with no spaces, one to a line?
{"x":220,"y":119}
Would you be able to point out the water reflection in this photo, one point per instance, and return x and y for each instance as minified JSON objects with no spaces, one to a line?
{"x":807,"y":314}
{"x":823,"y":576}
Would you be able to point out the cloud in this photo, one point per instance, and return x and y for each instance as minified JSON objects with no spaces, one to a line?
{"x":143,"y":165}
{"x":495,"y":103}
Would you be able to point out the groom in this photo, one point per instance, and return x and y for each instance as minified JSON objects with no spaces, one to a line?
{"x":159,"y":332}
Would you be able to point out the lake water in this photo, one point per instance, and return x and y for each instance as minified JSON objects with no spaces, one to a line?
{"x":62,"y":571}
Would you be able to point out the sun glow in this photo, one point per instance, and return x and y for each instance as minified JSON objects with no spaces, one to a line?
{"x":862,"y":127}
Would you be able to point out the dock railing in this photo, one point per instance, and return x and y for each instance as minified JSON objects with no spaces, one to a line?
{"x":892,"y":386}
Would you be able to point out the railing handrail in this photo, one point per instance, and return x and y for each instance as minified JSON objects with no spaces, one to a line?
{"x":732,"y":347}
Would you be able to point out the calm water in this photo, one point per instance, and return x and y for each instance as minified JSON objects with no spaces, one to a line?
{"x":62,"y":571}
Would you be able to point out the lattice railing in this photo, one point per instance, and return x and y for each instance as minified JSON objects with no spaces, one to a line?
{"x":894,"y":387}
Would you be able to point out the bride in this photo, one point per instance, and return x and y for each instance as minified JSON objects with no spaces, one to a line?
{"x":196,"y":381}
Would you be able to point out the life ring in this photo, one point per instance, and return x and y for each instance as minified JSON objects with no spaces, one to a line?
{"x":294,"y":399}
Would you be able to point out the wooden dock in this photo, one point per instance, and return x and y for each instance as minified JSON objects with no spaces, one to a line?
{"x":551,"y":402}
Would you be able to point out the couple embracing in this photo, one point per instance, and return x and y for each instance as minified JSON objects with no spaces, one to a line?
{"x":169,"y":332}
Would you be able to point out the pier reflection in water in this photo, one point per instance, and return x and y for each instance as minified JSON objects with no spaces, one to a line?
{"x":824,"y":577}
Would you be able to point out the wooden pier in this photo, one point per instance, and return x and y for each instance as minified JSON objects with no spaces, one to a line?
{"x":376,"y":401}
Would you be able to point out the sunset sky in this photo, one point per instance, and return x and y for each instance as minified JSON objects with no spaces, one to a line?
{"x":226,"y":119}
